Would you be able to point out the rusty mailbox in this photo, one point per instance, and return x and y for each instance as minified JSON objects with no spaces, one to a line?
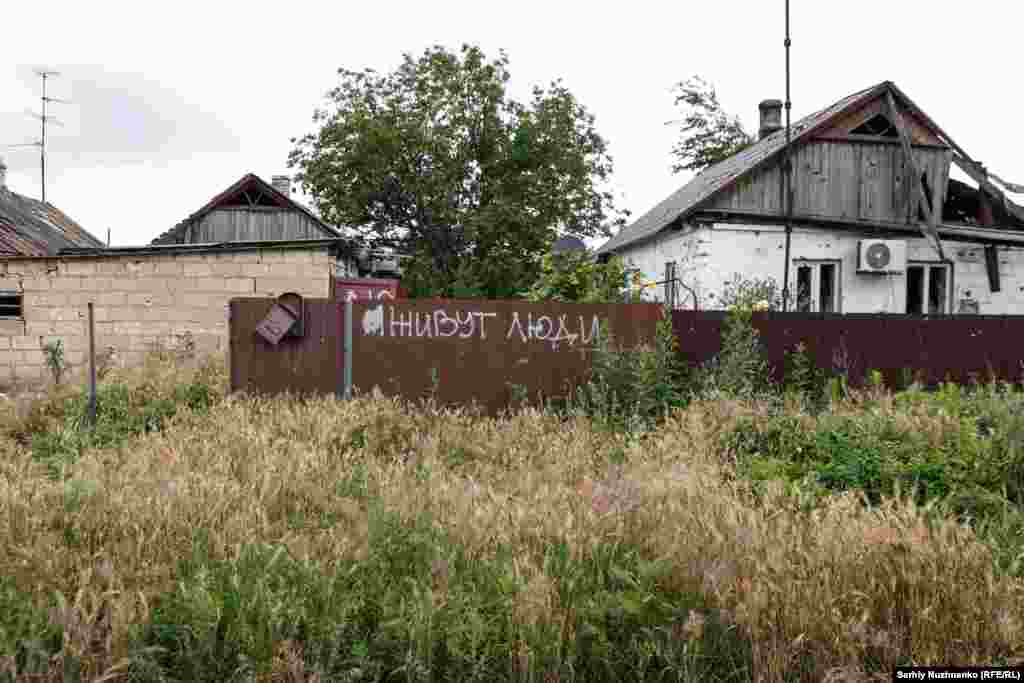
{"x":285,"y":319}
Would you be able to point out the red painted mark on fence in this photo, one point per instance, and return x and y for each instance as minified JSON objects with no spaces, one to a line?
{"x":365,"y":289}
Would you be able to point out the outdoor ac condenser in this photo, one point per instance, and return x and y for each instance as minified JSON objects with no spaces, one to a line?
{"x":882,"y":256}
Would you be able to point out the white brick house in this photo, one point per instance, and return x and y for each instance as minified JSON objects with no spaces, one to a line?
{"x":871,"y":233}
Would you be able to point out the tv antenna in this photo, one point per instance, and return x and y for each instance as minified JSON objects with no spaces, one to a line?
{"x":44,"y":119}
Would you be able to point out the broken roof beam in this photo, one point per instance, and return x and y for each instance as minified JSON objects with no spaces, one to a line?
{"x":928,"y":226}
{"x":979,"y":175}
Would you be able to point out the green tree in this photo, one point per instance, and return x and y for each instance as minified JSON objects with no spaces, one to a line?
{"x":707,"y":134}
{"x":435,"y":160}
{"x":578,"y":276}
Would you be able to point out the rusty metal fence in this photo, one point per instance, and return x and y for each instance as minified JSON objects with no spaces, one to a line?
{"x":459,"y":352}
{"x":960,"y":348}
{"x":492,"y":351}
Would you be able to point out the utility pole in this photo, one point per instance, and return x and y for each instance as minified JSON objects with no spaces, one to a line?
{"x":788,"y":174}
{"x":43,"y":119}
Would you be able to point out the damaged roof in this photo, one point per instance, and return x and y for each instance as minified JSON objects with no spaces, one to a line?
{"x":247,"y":182}
{"x":31,"y":228}
{"x":722,"y":175}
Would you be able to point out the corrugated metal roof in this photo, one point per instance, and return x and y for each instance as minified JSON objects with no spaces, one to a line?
{"x":174,"y":235}
{"x":30,"y":228}
{"x":718,"y":176}
{"x":343,"y":245}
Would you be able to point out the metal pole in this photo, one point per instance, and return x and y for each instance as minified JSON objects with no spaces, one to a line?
{"x":347,"y":376}
{"x":92,"y":368}
{"x":42,"y":146}
{"x":788,"y":175}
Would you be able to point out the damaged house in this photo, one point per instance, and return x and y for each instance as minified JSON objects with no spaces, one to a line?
{"x":878,"y":225}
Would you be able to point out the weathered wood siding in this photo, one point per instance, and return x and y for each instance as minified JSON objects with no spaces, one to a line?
{"x":853,"y":181}
{"x":252,"y":223}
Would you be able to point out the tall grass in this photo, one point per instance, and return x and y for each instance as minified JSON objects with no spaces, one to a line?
{"x":312,"y":539}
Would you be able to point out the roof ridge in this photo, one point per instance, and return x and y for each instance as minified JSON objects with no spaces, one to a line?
{"x":716,"y":177}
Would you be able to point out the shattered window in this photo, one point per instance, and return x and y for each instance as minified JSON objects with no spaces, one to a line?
{"x":877,"y":125}
{"x":928,"y":289}
{"x":817,"y":287}
{"x":937,"y":290}
{"x":803,"y":289}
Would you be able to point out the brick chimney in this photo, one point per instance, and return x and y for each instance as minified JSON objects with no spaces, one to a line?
{"x":282,"y":184}
{"x":771,"y":117}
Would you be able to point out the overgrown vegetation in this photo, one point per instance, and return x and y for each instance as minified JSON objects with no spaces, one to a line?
{"x":663,"y":526}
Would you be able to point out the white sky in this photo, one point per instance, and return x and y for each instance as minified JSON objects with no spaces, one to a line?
{"x":173,"y":103}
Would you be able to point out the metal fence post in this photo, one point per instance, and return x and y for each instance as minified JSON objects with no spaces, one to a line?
{"x":92,"y":368}
{"x":347,"y":376}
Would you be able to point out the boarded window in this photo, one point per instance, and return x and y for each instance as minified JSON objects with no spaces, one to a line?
{"x":10,"y":305}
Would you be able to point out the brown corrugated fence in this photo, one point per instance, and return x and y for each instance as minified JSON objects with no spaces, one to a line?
{"x":490,"y":351}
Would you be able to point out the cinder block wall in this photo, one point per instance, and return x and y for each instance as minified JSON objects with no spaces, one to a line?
{"x":139,"y":301}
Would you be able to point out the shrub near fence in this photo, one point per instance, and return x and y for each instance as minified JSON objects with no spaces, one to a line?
{"x":931,"y":349}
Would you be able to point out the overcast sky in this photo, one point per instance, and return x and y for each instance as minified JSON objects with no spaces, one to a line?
{"x":173,"y":103}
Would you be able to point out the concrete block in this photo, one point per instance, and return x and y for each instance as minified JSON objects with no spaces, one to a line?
{"x":83,"y":267}
{"x":11,"y":327}
{"x":37,"y":329}
{"x":136,"y":267}
{"x":237,"y":285}
{"x":36,"y":284}
{"x":67,"y":283}
{"x":111,"y":299}
{"x":110,"y":266}
{"x":194,"y":300}
{"x":47,"y":299}
{"x":29,"y":372}
{"x":277,"y":286}
{"x":27,"y":268}
{"x":128,"y":328}
{"x":255,"y":269}
{"x":226,"y":269}
{"x":197,"y":269}
{"x":25,"y":342}
{"x":70,"y":328}
{"x":168,"y":267}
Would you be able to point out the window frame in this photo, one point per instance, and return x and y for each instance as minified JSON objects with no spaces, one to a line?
{"x":926,"y":280}
{"x":837,"y":283}
{"x":13,"y":294}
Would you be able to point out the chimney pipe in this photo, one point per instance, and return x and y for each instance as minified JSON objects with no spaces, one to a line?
{"x":771,"y":117}
{"x":282,"y":184}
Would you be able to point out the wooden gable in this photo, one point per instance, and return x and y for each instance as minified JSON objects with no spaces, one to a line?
{"x":855,"y":168}
{"x":859,"y":123}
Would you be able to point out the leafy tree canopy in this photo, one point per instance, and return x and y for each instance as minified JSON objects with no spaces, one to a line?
{"x":578,"y":276}
{"x":707,"y":134}
{"x":435,"y":160}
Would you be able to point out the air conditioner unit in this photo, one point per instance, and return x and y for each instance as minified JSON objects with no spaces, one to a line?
{"x":882,"y":256}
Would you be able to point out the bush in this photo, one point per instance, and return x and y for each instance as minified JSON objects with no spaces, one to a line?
{"x":632,"y":389}
{"x":740,"y":369}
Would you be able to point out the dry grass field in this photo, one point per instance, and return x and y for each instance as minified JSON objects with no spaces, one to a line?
{"x":197,"y":537}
